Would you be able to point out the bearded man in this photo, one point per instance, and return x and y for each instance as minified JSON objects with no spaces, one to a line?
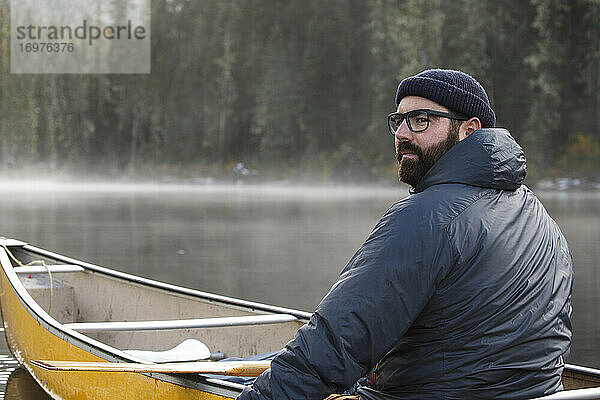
{"x":462,"y":290}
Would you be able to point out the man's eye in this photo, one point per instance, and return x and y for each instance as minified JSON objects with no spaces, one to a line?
{"x":421,"y":120}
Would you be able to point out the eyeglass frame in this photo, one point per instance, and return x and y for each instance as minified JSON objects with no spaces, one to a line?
{"x":450,"y":115}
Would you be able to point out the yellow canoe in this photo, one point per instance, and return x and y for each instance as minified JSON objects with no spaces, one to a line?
{"x":56,"y":308}
{"x":95,"y":314}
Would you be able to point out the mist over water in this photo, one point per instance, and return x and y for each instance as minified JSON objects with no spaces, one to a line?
{"x":277,"y":244}
{"x":243,"y":241}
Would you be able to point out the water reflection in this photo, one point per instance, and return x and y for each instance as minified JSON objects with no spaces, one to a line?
{"x":21,"y":386}
{"x":279,"y":245}
{"x":8,"y":366}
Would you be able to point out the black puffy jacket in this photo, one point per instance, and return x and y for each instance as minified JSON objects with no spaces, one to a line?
{"x":462,"y":291}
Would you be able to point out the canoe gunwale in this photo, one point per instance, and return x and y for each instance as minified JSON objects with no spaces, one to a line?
{"x":112,"y":354}
{"x":583,"y":370}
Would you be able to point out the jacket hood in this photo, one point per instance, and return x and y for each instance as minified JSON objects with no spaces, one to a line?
{"x":488,"y":158}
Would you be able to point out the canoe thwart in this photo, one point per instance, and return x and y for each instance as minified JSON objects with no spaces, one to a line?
{"x":40,"y":269}
{"x":181,"y":323}
{"x":235,"y":368}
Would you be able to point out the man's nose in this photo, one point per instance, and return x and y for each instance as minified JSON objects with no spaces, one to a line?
{"x":403,"y":133}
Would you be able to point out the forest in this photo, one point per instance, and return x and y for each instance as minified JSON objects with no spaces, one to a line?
{"x":300,"y":89}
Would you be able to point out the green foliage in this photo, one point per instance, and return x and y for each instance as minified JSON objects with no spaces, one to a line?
{"x":291,"y":85}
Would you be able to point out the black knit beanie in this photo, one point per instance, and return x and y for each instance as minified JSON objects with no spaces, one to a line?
{"x":455,"y":90}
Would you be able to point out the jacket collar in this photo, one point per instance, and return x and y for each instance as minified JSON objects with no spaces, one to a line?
{"x":488,"y":158}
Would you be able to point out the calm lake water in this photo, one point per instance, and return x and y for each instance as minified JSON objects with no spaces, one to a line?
{"x":277,"y":245}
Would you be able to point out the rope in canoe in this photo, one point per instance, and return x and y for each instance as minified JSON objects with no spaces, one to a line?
{"x":34,"y":262}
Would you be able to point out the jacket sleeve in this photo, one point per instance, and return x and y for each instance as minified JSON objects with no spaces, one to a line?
{"x":375,"y":300}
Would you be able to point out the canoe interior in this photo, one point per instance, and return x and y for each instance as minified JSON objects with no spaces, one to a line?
{"x":575,"y":377}
{"x":88,"y":296}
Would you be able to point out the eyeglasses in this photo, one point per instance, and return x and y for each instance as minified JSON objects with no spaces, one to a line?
{"x":418,"y":120}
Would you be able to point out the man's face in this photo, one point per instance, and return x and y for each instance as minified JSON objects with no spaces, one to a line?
{"x":417,"y":152}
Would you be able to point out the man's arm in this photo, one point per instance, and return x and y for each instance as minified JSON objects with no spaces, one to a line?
{"x":377,"y":297}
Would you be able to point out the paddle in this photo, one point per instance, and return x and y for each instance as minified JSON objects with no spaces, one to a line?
{"x":235,"y":368}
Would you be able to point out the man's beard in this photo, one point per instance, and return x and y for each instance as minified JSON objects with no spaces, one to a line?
{"x":412,"y":171}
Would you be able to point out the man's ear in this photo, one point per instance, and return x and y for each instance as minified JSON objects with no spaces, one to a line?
{"x":471,"y":125}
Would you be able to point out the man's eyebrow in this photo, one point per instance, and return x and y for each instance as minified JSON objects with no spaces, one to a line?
{"x":413,"y":109}
{"x":423,"y":109}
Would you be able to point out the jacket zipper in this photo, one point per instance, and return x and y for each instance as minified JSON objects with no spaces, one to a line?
{"x":374,"y":379}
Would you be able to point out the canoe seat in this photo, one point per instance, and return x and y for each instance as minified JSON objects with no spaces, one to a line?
{"x":180,"y":323}
{"x":188,"y":350}
{"x":58,"y":302}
